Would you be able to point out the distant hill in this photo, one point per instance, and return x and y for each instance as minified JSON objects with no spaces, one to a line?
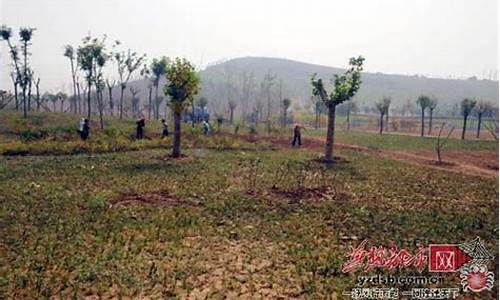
{"x":223,"y":81}
{"x":296,"y":76}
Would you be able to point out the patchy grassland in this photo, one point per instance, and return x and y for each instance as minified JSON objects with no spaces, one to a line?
{"x":229,"y":232}
{"x":241,"y":216}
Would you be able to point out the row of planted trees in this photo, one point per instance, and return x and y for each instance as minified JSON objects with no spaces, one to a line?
{"x":89,"y":81}
{"x":89,"y":60}
{"x":22,"y":75}
{"x":182,"y":82}
{"x":467,"y":107}
{"x":429,"y":103}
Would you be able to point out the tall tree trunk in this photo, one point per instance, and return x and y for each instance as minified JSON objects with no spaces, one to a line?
{"x":330,"y":134}
{"x":381,"y":123}
{"x":387,"y":120}
{"x":348,"y":120}
{"x":479,"y":117}
{"x":430,"y":121}
{"x":89,"y":110}
{"x":231,"y":115}
{"x":422,"y":127}
{"x":100,"y":104}
{"x":16,"y":98}
{"x":465,"y":127}
{"x":284,"y":118}
{"x":192,"y":114}
{"x":79,"y":98}
{"x":37,"y":86}
{"x":157,"y":103}
{"x":150,"y":102}
{"x":176,"y":151}
{"x":25,"y":107}
{"x":73,"y":75}
{"x":268,"y":113}
{"x":122,"y":86}
{"x":24,"y":83}
{"x":317,"y":119}
{"x":29,"y":95}
{"x":111,"y":103}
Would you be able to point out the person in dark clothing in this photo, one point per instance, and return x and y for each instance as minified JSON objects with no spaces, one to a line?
{"x":296,"y":135}
{"x":84,"y":130}
{"x":140,"y":128}
{"x":164,"y":132}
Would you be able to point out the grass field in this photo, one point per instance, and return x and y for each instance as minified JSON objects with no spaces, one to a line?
{"x":234,"y":219}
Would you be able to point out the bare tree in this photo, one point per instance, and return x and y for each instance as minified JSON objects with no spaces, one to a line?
{"x":128,"y":62}
{"x":247,"y":86}
{"x":268,"y":83}
{"x":493,"y":129}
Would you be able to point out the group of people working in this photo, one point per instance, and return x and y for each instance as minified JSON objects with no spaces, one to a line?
{"x":84,"y":130}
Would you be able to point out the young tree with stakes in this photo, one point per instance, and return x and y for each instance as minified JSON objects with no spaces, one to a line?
{"x":182,"y":85}
{"x":345,"y":86}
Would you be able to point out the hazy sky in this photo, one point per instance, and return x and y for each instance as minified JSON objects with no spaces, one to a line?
{"x":432,"y":37}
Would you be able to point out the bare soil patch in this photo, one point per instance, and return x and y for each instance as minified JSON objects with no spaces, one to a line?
{"x":479,"y":162}
{"x":158,"y":198}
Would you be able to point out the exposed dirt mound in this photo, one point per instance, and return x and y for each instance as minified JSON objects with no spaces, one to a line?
{"x":159,"y":198}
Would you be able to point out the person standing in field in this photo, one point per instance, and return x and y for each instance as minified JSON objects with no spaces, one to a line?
{"x":84,"y":129}
{"x":297,"y":135}
{"x":141,"y":123}
{"x":164,"y":132}
{"x":206,"y":127}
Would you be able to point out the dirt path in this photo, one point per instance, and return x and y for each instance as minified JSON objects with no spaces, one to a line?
{"x":480,"y":163}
